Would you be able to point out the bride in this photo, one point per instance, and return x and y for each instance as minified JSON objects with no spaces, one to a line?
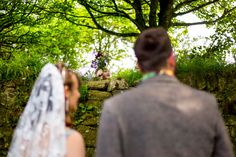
{"x":44,"y":127}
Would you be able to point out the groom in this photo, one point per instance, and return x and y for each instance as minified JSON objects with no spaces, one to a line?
{"x":161,"y":117}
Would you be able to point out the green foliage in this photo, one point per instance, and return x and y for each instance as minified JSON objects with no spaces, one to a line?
{"x":197,"y":66}
{"x":129,"y":16}
{"x":83,"y":110}
{"x":23,"y":66}
{"x":52,"y":42}
{"x":83,"y":93}
{"x":200,"y":66}
{"x":131,"y":76}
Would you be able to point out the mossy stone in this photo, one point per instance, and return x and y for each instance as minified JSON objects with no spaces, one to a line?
{"x":98,"y":95}
{"x":98,"y":85}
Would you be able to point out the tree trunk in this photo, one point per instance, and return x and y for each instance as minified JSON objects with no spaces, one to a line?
{"x":166,"y":12}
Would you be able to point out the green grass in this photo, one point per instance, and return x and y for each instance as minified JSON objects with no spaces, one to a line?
{"x":131,"y":76}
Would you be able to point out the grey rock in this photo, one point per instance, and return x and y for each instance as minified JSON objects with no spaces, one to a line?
{"x":117,"y":85}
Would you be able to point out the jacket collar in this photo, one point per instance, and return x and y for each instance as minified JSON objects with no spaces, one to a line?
{"x":161,"y":78}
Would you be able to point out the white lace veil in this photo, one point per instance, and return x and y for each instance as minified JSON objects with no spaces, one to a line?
{"x":41,"y":129}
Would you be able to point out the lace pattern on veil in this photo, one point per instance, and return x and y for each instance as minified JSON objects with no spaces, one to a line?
{"x":40,"y":131}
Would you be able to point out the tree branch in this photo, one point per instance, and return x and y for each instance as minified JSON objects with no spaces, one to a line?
{"x":191,"y":24}
{"x":186,"y":2}
{"x":60,"y":12}
{"x":78,"y":24}
{"x":118,"y":12}
{"x":205,"y":22}
{"x":140,"y":21}
{"x":196,"y":8}
{"x":149,"y":4}
{"x":166,"y":13}
{"x":10,"y":20}
{"x":153,"y":13}
{"x":104,"y":29}
{"x":128,"y":1}
{"x":115,"y":5}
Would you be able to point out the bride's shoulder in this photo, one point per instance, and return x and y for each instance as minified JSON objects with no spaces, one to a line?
{"x":73,"y":134}
{"x":75,"y":144}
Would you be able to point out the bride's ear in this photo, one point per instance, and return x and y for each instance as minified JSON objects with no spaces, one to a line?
{"x":66,"y":91}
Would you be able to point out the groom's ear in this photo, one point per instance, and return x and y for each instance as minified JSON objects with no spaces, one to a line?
{"x":171,"y":61}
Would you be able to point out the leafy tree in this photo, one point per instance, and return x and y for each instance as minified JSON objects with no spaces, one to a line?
{"x":16,"y":18}
{"x":127,"y":18}
{"x":141,"y":14}
{"x":218,"y":45}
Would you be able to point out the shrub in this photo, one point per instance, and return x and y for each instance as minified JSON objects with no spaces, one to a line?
{"x":83,"y":92}
{"x":131,"y":76}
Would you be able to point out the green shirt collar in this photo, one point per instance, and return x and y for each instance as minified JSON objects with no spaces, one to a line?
{"x":148,"y":76}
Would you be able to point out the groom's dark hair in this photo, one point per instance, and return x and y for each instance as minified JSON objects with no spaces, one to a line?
{"x":152,"y":49}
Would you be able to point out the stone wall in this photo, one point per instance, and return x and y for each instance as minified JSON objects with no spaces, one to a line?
{"x":13,"y":96}
{"x":89,"y":118}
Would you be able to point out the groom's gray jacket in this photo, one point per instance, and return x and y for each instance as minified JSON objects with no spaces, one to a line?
{"x":162,"y":118}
